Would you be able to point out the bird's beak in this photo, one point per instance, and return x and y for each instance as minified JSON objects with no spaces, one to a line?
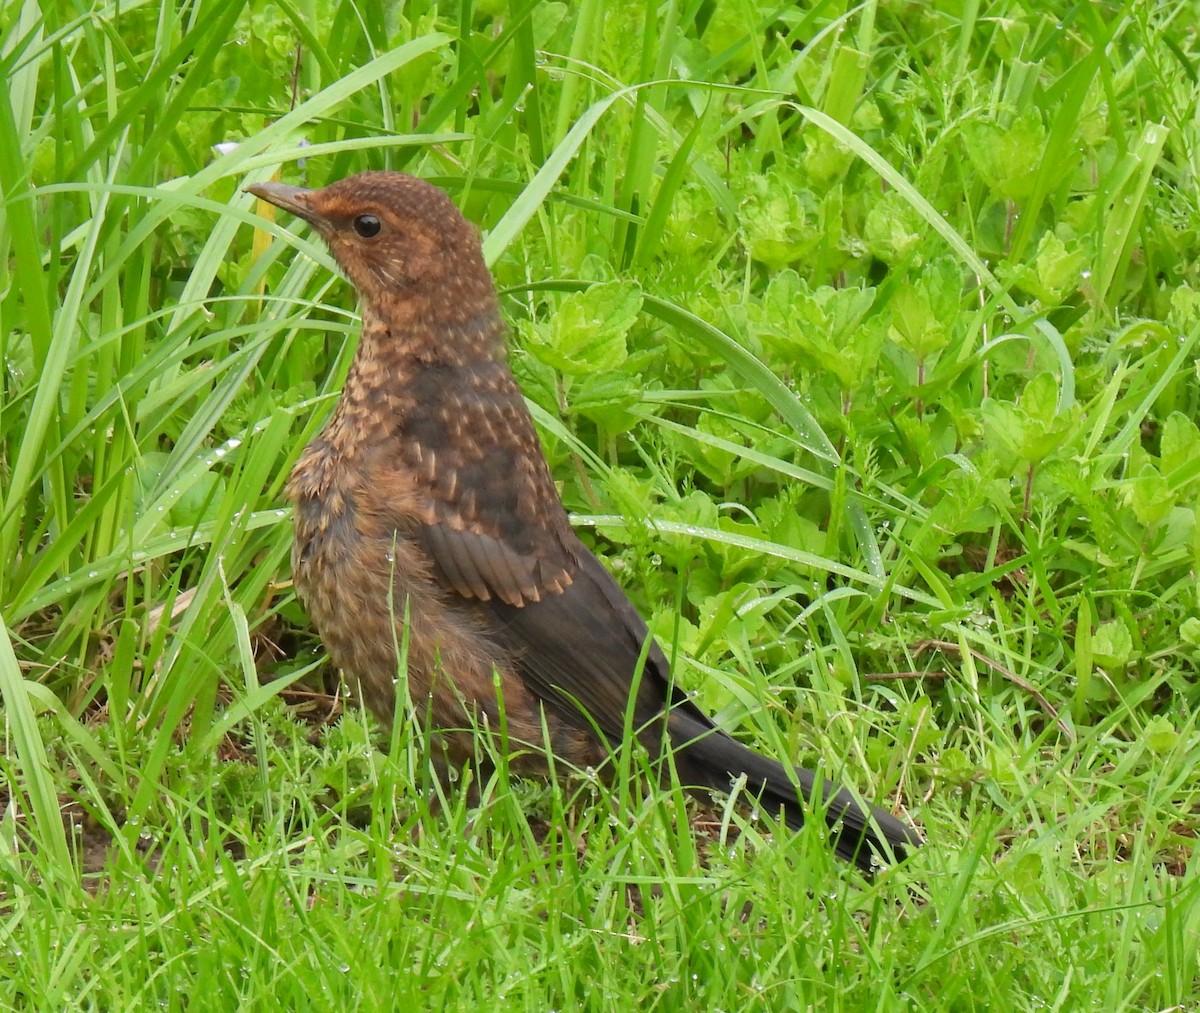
{"x":295,"y":199}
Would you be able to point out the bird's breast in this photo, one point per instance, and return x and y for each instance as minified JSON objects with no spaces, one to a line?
{"x":352,"y":520}
{"x":326,"y":539}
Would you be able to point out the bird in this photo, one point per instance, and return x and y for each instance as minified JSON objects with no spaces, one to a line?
{"x":426,"y":518}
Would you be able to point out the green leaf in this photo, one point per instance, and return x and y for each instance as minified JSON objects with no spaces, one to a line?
{"x":1184,"y":313}
{"x":587,"y":332}
{"x":1007,"y":156}
{"x":1150,"y":496}
{"x":1039,"y":401}
{"x":893,"y":231}
{"x":1057,"y":269}
{"x":954,"y":766}
{"x":1180,"y":444}
{"x":605,"y":399}
{"x":200,"y":501}
{"x":1160,"y":735}
{"x":1112,"y":646}
{"x":781,"y":220}
{"x":1032,"y":429}
{"x":921,"y":312}
{"x":825,"y":326}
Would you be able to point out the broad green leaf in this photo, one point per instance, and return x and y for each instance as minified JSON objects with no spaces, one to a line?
{"x":1150,"y":496}
{"x":1180,"y":443}
{"x":588,"y":329}
{"x":1007,"y":156}
{"x":1112,"y":646}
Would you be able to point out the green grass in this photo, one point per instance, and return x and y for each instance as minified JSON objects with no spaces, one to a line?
{"x":863,"y":343}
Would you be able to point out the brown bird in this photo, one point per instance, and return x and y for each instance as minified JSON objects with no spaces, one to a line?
{"x":427,"y":498}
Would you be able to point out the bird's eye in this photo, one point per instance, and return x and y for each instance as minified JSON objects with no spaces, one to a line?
{"x":367,"y":226}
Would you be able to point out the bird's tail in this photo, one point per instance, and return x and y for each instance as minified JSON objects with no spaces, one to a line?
{"x":863,"y":834}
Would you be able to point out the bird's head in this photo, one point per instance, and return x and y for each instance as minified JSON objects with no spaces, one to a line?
{"x":396,"y":237}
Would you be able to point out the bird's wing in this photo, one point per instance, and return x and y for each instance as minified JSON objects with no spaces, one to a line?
{"x":467,"y":480}
{"x":494,"y":526}
{"x":477,"y":564}
{"x":587,"y":645}
{"x":470,"y":485}
{"x":569,"y":628}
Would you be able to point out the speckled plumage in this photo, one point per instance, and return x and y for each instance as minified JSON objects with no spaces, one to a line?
{"x":427,"y":495}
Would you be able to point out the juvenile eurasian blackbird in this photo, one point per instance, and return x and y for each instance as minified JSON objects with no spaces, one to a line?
{"x":427,"y":495}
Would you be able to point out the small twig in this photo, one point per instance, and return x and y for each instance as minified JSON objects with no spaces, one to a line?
{"x":154,"y":616}
{"x":296,"y":74}
{"x":1016,"y":680}
{"x":888,"y":676}
{"x":922,"y":715}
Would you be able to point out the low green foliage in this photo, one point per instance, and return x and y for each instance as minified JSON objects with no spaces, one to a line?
{"x":863,"y":344}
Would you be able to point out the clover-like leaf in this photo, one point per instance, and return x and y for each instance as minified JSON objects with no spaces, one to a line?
{"x":1056,"y":271}
{"x":781,"y":221}
{"x":920,"y":311}
{"x":1160,"y":735}
{"x":1007,"y":156}
{"x":587,"y":332}
{"x":1180,"y":442}
{"x":893,"y":230}
{"x":824,"y":328}
{"x":1112,"y":646}
{"x":1031,"y":430}
{"x":1150,"y":496}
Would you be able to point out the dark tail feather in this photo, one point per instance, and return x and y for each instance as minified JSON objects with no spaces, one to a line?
{"x":865,"y":835}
